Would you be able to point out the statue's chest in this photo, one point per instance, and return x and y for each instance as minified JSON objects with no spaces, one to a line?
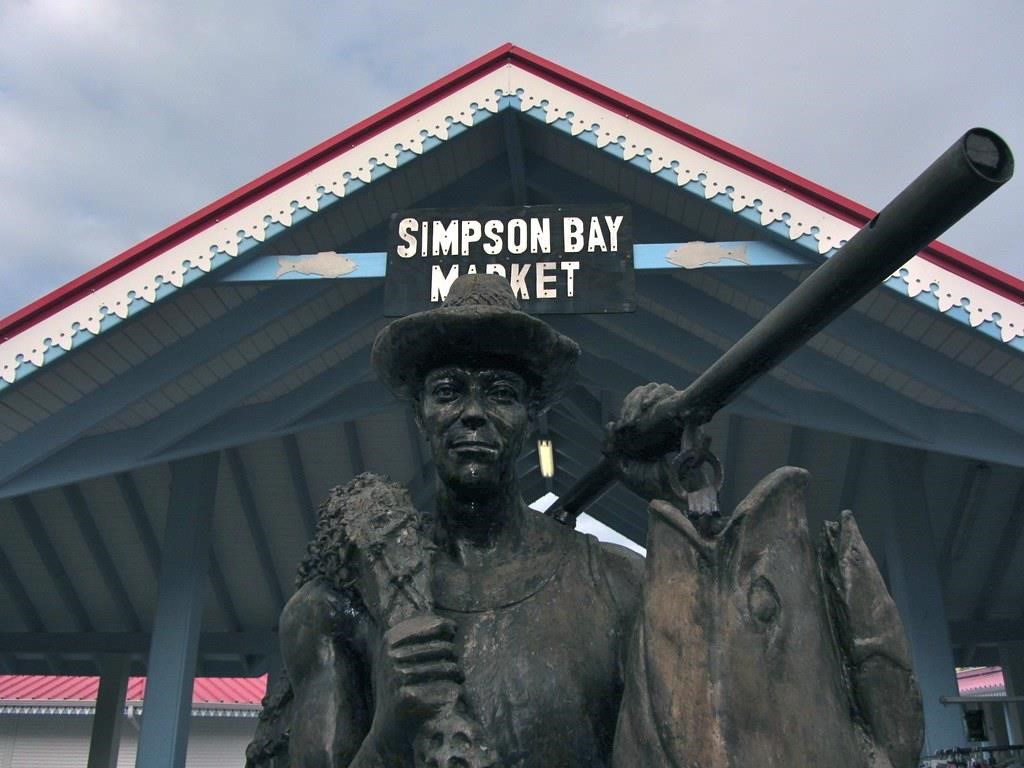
{"x":542,"y":673}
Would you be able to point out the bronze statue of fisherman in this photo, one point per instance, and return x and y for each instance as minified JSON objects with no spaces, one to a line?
{"x":485,"y":634}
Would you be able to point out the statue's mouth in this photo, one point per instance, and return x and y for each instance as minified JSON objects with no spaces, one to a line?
{"x":472,"y":447}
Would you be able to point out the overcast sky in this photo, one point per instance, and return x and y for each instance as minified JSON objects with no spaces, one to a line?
{"x":118,"y":118}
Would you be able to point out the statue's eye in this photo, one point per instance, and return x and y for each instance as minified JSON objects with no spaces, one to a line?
{"x":504,"y":393}
{"x":444,"y":391}
{"x":763,"y":601}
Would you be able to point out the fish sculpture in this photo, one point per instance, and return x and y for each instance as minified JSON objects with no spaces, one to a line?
{"x":701,"y":254}
{"x":755,"y":648}
{"x":322,"y":264}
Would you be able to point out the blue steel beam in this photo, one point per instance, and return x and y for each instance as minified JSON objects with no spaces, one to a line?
{"x":998,"y":402}
{"x":300,"y":485}
{"x":991,"y":632}
{"x":852,"y":473}
{"x":353,"y":448}
{"x":287,"y":414}
{"x":159,"y":439}
{"x":361,"y":399}
{"x":255,"y":524}
{"x":168,"y":428}
{"x":964,"y":515}
{"x":105,"y":738}
{"x":1009,"y":540}
{"x":916,"y":589}
{"x":222,"y":594}
{"x":51,"y":560}
{"x":26,"y":609}
{"x":52,"y":434}
{"x":796,"y":456}
{"x":175,"y":641}
{"x":928,"y":428}
{"x":19,"y":595}
{"x":86,"y":523}
{"x":843,"y":383}
{"x":554,"y":185}
{"x":810,"y":409}
{"x":730,"y":496}
{"x":137,"y":511}
{"x":774,"y":399}
{"x":587,"y":407}
{"x":514,"y":149}
{"x":421,"y":485}
{"x":238,"y":428}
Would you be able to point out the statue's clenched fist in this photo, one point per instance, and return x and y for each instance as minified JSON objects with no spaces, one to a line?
{"x":418,"y":676}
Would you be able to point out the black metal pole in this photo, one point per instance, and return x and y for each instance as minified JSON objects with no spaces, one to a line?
{"x":969,"y":171}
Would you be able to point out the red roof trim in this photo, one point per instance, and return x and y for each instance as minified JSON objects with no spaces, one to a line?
{"x":947,"y":257}
{"x":952,"y":259}
{"x":112,"y":269}
{"x":56,"y":689}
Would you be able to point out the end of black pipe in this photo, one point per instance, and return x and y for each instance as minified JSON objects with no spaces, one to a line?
{"x":989,"y":156}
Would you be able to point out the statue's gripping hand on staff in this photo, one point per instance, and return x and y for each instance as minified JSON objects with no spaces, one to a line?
{"x":689,"y":477}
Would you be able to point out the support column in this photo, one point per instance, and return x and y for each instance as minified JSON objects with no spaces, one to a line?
{"x":167,"y":706}
{"x":995,"y":721}
{"x":1011,"y":659}
{"x":913,"y":570}
{"x":106,"y":724}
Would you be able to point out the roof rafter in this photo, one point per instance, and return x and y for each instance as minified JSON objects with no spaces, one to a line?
{"x":843,"y":383}
{"x":516,"y":167}
{"x":877,"y":340}
{"x":54,"y":433}
{"x":86,"y":522}
{"x":964,"y":514}
{"x":300,"y":485}
{"x":222,"y":594}
{"x":137,"y":511}
{"x":22,"y":602}
{"x":51,"y":560}
{"x":252,"y":518}
{"x":354,"y":448}
{"x":162,"y":438}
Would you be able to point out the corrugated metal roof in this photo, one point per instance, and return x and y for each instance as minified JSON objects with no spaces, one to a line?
{"x":54,"y":688}
{"x":250,"y":690}
{"x":980,"y":680}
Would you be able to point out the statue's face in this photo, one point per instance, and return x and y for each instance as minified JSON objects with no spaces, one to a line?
{"x":476,"y":420}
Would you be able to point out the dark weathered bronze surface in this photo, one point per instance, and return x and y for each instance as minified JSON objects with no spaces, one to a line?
{"x":483,"y":634}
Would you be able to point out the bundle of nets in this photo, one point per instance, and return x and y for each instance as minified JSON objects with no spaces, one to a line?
{"x":371,"y":545}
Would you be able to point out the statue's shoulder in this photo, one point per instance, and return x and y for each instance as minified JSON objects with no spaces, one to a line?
{"x":614,"y":569}
{"x":624,"y":572}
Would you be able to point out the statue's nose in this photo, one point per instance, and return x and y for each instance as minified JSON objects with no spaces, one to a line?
{"x":473,"y":414}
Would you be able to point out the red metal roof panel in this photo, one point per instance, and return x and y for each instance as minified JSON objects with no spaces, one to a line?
{"x":981,"y":680}
{"x":53,"y":688}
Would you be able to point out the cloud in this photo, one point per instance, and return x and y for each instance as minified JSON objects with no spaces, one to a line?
{"x":119,"y":118}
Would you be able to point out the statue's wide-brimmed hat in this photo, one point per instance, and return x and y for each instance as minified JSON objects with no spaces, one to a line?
{"x":479,"y":323}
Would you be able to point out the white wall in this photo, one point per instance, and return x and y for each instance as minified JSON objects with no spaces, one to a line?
{"x":62,"y":741}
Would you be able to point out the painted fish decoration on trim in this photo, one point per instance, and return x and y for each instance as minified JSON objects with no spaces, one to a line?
{"x":322,"y":264}
{"x":701,"y":254}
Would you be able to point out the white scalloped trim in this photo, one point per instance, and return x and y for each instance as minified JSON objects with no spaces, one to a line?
{"x":611,"y":131}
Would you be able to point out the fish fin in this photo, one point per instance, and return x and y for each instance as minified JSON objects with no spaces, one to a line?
{"x":872,"y":641}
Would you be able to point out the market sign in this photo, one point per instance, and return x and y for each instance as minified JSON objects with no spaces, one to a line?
{"x":557,"y":258}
